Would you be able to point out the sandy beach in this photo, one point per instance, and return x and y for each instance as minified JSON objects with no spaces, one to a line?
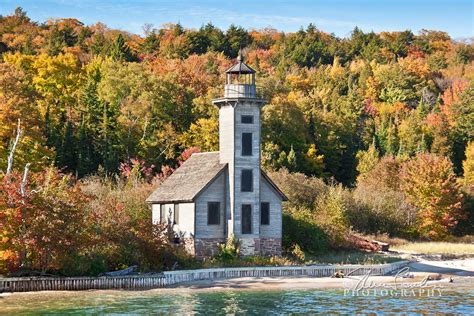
{"x":459,"y":271}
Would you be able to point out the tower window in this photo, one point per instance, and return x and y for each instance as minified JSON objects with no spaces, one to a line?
{"x":213,"y":213}
{"x":246,"y":144}
{"x":246,"y":181}
{"x":265,"y":213}
{"x":246,"y":219}
{"x":246,"y":119}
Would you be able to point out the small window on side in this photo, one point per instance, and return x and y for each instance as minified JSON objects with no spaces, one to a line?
{"x":213,"y":213}
{"x":246,"y":119}
{"x":265,"y":213}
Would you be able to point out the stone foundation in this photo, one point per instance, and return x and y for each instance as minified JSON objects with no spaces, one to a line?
{"x":248,"y":246}
{"x":269,"y":246}
{"x":207,"y":247}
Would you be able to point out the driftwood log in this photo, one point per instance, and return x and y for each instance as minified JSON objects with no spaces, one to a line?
{"x":368,"y":244}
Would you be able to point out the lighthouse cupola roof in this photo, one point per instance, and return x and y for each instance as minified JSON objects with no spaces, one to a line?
{"x":240,"y":67}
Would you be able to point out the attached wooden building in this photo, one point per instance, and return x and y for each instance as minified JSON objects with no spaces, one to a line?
{"x":217,"y":194}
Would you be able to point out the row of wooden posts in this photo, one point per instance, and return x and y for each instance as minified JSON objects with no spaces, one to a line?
{"x":169,"y":278}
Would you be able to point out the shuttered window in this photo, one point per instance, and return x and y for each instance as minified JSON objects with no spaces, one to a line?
{"x":213,"y":213}
{"x":265,"y":213}
{"x":246,"y":144}
{"x":246,"y":179}
{"x":246,"y":219}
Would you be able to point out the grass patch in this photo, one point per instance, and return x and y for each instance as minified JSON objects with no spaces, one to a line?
{"x":444,"y":248}
{"x":351,"y":257}
{"x":330,"y":257}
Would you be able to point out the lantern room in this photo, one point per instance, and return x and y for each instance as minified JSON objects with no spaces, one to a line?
{"x":240,"y":81}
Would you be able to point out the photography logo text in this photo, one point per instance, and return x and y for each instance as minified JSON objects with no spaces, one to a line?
{"x":367,"y":285}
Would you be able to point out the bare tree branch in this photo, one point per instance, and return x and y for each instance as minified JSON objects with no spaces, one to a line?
{"x":12,"y":152}
{"x":24,"y":182}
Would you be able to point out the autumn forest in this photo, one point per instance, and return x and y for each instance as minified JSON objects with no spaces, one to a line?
{"x":369,"y":134}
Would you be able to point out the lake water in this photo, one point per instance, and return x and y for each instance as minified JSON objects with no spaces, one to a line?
{"x":454,"y":300}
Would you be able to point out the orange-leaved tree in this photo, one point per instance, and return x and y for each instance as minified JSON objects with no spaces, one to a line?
{"x":42,"y":221}
{"x":429,"y":183}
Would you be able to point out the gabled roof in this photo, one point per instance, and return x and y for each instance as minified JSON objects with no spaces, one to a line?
{"x":189,"y":180}
{"x":193,"y":177}
{"x":274,"y":186}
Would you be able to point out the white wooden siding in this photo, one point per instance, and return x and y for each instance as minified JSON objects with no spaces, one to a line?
{"x":155,"y":213}
{"x":213,"y":193}
{"x":186,"y":219}
{"x":267,"y":194}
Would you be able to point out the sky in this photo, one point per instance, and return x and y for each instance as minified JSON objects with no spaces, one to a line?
{"x":333,"y":16}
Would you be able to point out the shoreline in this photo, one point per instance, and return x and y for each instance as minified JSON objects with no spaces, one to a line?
{"x":269,"y":284}
{"x":461,"y":271}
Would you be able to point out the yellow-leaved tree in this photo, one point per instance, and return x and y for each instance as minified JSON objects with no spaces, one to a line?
{"x":468,"y":166}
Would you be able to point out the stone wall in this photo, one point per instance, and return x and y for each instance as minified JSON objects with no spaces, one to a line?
{"x":207,"y":247}
{"x":248,"y":246}
{"x":269,"y":246}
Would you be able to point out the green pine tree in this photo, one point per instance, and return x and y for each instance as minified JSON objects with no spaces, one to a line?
{"x":120,"y":51}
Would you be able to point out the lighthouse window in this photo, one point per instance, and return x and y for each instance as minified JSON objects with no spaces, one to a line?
{"x":246,"y":144}
{"x":246,"y":181}
{"x":247,"y":119}
{"x":246,"y":219}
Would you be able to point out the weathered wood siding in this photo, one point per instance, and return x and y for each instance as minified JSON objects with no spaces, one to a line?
{"x":247,"y":162}
{"x":268,"y":194}
{"x":226,"y":152}
{"x":213,"y":193}
{"x":155,"y":213}
{"x":176,"y":277}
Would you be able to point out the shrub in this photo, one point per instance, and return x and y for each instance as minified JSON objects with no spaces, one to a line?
{"x":381,"y":210}
{"x":230,"y":250}
{"x":300,"y":229}
{"x":297,"y":253}
{"x":381,"y":205}
{"x":331,"y":215}
{"x":300,"y":189}
{"x":121,"y":203}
